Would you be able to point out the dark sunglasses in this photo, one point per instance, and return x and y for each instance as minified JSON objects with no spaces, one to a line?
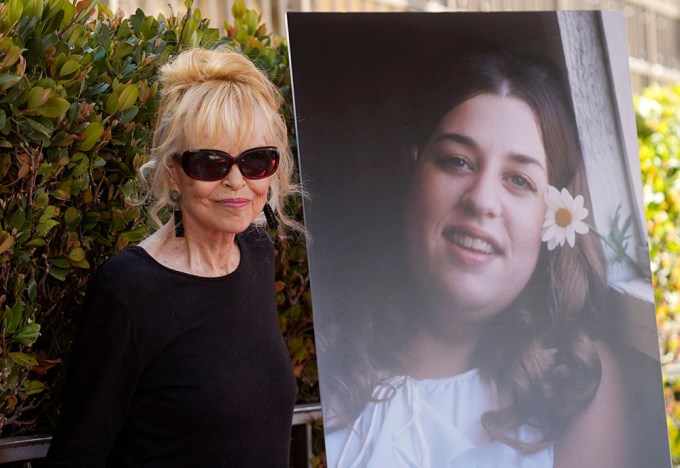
{"x":211,"y":165}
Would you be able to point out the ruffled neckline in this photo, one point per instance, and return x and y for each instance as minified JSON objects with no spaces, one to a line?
{"x":432,"y":422}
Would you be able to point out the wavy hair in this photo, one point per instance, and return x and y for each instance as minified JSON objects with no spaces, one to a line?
{"x":217,"y":93}
{"x":541,"y":350}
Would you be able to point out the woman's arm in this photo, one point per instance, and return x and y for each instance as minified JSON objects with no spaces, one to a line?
{"x":100,"y":383}
{"x":598,"y":436}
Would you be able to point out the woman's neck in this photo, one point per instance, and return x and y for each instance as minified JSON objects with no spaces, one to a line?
{"x":434,"y":354}
{"x":198,"y":253}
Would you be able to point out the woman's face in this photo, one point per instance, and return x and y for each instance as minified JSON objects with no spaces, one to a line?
{"x":475,"y":210}
{"x":226,"y":206}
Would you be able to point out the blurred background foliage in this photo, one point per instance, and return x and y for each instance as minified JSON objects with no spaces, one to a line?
{"x":77,"y":103}
{"x":77,"y":100}
{"x":658,"y":123}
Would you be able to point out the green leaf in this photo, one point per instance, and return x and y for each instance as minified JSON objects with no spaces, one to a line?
{"x":32,"y":290}
{"x":16,"y":8}
{"x":37,"y":242}
{"x":72,"y":217}
{"x":37,"y":128}
{"x":69,"y":67}
{"x":91,"y":135}
{"x":12,"y":318}
{"x":135,"y":235}
{"x":16,"y":220}
{"x":238,"y":9}
{"x":98,"y":54}
{"x":46,"y":226}
{"x":59,"y":262}
{"x":189,"y":29}
{"x":60,"y":194}
{"x":124,"y":49}
{"x":58,"y":273}
{"x":111,"y":104}
{"x":27,"y":334}
{"x":33,"y":8}
{"x":252,"y":20}
{"x":37,"y":97}
{"x":6,"y":242}
{"x":54,"y":107}
{"x":150,"y":27}
{"x":77,"y":254}
{"x":129,"y":114}
{"x":33,"y":387}
{"x":98,"y":162}
{"x":41,"y":200}
{"x":127,"y":97}
{"x":23,"y":359}
{"x":137,"y":19}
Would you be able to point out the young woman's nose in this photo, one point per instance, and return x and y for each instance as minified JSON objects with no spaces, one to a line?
{"x":482,"y":197}
{"x":234,"y":179}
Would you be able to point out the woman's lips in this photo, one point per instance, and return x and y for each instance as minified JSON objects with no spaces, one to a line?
{"x":471,"y":243}
{"x":234,"y":202}
{"x":471,"y":247}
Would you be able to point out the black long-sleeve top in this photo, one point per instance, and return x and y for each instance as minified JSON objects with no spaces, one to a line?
{"x":176,"y":370}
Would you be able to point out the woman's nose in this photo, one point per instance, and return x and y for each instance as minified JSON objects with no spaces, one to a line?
{"x":482,"y":196}
{"x":234,"y":179}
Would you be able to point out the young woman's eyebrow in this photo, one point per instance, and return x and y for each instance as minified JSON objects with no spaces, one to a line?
{"x":457,"y":138}
{"x":526,"y":159}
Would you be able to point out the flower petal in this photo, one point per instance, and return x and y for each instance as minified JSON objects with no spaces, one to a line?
{"x":571,"y":237}
{"x":552,"y":198}
{"x":566,"y":197}
{"x":581,"y":228}
{"x":581,"y":213}
{"x":549,"y":221}
{"x":551,"y":232}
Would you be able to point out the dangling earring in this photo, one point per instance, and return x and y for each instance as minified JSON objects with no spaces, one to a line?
{"x":272,"y":222}
{"x":177,"y":213}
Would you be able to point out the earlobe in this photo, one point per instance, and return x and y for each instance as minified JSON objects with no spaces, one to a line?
{"x":172,"y":173}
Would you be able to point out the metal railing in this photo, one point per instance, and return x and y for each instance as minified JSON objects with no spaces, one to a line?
{"x":23,"y":450}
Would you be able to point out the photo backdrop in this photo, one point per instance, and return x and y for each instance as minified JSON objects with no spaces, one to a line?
{"x":353,"y":82}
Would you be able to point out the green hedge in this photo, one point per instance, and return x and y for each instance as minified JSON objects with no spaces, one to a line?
{"x":77,"y":103}
{"x":659,"y":136}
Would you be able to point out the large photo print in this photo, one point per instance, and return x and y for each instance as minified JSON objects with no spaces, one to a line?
{"x":478,"y":260}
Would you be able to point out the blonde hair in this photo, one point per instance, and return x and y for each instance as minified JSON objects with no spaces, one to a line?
{"x":217,"y":93}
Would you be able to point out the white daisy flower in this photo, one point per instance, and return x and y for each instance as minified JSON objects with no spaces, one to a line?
{"x":564,"y":218}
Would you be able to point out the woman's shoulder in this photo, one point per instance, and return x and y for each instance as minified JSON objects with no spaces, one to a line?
{"x":256,"y":236}
{"x":256,"y":239}
{"x":127,"y":266}
{"x":129,"y":275}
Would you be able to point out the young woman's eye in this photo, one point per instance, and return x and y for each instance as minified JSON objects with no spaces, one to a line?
{"x":522,"y":182}
{"x":453,"y":162}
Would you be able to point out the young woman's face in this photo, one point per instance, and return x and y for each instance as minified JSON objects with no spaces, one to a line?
{"x":228,"y":205}
{"x":474,"y":214}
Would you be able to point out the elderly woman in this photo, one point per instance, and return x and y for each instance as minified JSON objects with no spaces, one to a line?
{"x":495,"y":360}
{"x":180,"y":361}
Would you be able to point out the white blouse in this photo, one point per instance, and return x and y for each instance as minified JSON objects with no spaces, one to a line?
{"x":430,"y":423}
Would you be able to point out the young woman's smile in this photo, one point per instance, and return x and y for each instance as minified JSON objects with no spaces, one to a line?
{"x":476,"y":207}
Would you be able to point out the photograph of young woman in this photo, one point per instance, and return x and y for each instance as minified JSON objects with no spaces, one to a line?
{"x":471,"y":329}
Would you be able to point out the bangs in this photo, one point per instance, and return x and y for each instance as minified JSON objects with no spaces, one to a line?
{"x":228,"y":110}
